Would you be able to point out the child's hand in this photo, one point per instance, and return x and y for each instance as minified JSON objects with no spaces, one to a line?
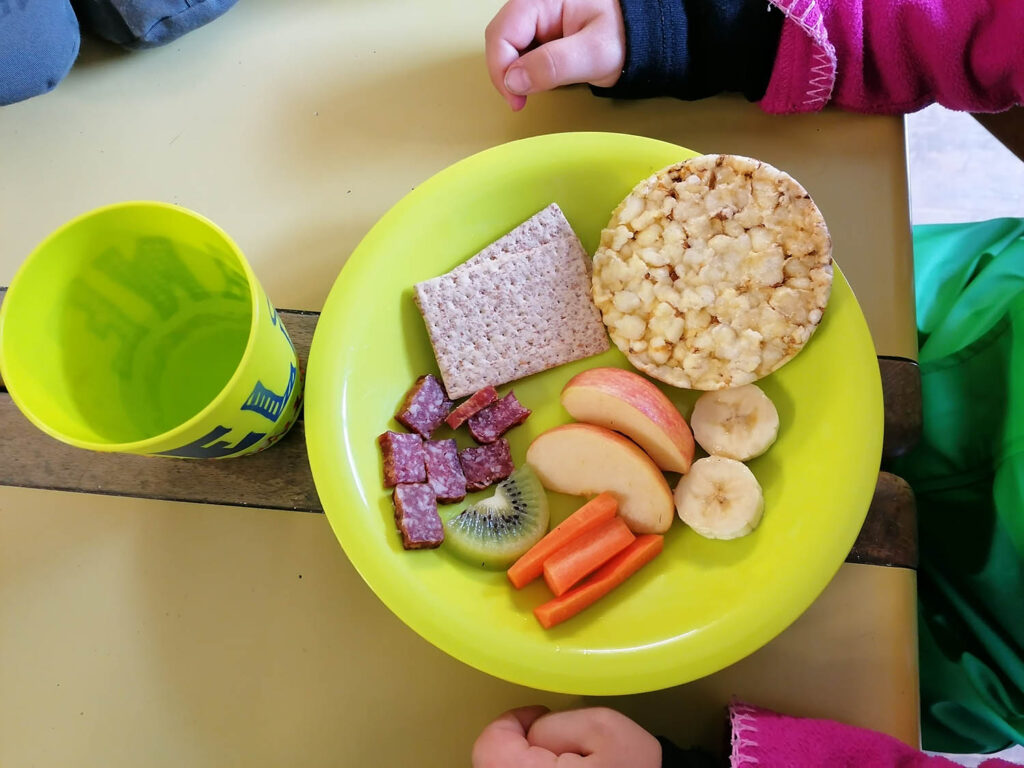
{"x":578,"y":41}
{"x":531,"y":737}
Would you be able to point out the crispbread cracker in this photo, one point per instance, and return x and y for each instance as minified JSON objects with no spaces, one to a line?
{"x":502,"y":316}
{"x":545,"y":226}
{"x":713,"y":272}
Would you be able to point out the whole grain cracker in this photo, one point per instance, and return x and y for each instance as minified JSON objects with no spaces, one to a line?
{"x":506,"y":314}
{"x":546,"y":226}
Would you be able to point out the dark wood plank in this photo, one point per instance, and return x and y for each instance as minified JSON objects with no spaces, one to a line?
{"x":1008,"y":127}
{"x":901,"y":396}
{"x":278,"y":478}
{"x":281,"y":479}
{"x":889,"y":535}
{"x":300,"y":327}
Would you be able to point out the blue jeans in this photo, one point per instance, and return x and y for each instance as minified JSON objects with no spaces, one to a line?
{"x":39,"y":39}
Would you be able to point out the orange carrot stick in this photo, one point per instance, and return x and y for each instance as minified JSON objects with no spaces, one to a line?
{"x":585,"y":554}
{"x":605,"y":579}
{"x":588,"y":517}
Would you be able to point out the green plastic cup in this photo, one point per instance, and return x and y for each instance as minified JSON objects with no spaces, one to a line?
{"x":141,"y":328}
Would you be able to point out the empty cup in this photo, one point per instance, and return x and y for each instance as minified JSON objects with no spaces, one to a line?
{"x":141,"y":328}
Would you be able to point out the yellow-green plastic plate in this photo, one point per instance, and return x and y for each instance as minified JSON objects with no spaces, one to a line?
{"x":698,"y":607}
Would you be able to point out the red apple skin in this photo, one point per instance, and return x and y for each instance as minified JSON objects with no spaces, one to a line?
{"x":585,"y":460}
{"x":628,"y":403}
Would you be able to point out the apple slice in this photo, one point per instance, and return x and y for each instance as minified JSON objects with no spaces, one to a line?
{"x":630,"y":404}
{"x":585,"y":460}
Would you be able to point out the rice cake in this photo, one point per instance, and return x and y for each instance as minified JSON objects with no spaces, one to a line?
{"x":506,"y":314}
{"x":713,"y":272}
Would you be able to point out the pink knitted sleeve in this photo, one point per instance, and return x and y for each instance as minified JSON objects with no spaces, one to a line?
{"x":765,"y":739}
{"x":895,"y":56}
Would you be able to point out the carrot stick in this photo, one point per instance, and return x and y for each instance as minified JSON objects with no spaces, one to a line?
{"x":585,"y":554}
{"x":605,"y":579}
{"x":588,"y":517}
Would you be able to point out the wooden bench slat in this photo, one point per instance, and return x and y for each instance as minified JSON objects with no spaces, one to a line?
{"x":902,"y":399}
{"x":281,"y":479}
{"x":278,"y":478}
{"x":889,"y":534}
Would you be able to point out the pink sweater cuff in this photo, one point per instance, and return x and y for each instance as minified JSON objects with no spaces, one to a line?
{"x":805,"y":66}
{"x":765,"y":739}
{"x":895,"y":56}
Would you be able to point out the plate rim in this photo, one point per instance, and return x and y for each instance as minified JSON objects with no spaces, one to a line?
{"x":434,"y":632}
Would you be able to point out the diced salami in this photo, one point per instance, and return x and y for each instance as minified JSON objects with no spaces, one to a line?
{"x":403,"y":458}
{"x":416,"y":516}
{"x":495,"y":420}
{"x":472,"y":406}
{"x":425,"y":406}
{"x":486,"y":465}
{"x":444,"y":472}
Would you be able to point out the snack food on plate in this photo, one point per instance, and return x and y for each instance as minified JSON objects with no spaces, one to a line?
{"x":548,"y":225}
{"x":630,"y":404}
{"x":583,"y":460}
{"x":585,"y":554}
{"x":497,"y":419}
{"x":474,"y":404}
{"x":713,"y":272}
{"x":424,"y":473}
{"x":601,"y":582}
{"x":487,"y":464}
{"x":444,"y":472}
{"x":720,"y":498}
{"x":425,"y":407}
{"x":495,"y":531}
{"x":591,"y":515}
{"x":416,"y":516}
{"x":510,"y":312}
{"x":739,"y":423}
{"x":403,"y":458}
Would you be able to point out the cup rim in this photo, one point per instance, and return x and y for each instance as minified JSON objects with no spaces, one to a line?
{"x":162,"y":441}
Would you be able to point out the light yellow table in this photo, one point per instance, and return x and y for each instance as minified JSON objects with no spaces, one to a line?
{"x":144,"y":633}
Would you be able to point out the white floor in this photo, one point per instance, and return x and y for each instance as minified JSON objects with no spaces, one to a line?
{"x":958,"y":171}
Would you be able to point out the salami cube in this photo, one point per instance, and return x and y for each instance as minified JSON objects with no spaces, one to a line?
{"x":495,"y":420}
{"x":472,"y":406}
{"x":486,"y":465}
{"x":416,"y":516}
{"x":425,"y":406}
{"x":444,"y":473}
{"x":403,"y":458}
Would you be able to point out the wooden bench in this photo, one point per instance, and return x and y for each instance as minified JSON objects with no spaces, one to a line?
{"x":281,"y":478}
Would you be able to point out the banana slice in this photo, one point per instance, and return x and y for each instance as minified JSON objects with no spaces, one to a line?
{"x":739,"y":423}
{"x":720,"y":498}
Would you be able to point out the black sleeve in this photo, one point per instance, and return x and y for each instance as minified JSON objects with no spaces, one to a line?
{"x":692,"y":49}
{"x":674,"y":757}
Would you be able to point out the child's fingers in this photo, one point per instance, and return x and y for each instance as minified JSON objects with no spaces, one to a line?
{"x":579,"y":58}
{"x":610,"y":738}
{"x":510,"y":31}
{"x":573,"y":731}
{"x":503,"y":742}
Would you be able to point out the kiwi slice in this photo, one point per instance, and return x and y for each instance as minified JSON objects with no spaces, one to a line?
{"x":495,"y":531}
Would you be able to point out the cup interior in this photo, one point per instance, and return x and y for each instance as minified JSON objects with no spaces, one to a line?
{"x":125,"y":323}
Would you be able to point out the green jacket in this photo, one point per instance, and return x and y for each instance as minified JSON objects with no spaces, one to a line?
{"x":968,"y":475}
